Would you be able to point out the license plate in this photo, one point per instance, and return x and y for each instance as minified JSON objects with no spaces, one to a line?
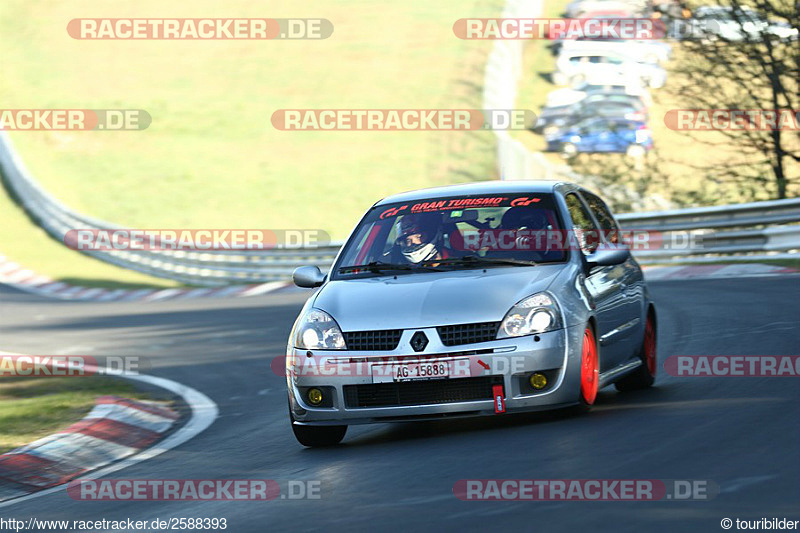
{"x":411,"y":371}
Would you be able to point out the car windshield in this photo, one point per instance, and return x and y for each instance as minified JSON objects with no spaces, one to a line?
{"x":475,"y":231}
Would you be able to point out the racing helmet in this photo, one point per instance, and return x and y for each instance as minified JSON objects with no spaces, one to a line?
{"x":418,"y":236}
{"x":524,"y":218}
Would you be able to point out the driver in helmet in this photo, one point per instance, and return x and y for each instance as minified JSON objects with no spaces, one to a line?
{"x":523,"y":221}
{"x":419,"y":237}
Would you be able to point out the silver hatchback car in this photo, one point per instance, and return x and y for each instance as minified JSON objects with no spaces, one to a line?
{"x":476,"y":299}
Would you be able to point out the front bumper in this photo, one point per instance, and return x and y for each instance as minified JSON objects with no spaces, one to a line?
{"x":510,"y":362}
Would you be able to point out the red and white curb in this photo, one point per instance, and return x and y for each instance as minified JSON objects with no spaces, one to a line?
{"x":115,"y":429}
{"x":16,"y":276}
{"x":742,"y":270}
{"x":116,"y":434}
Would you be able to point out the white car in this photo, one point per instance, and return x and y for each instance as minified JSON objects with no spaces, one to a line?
{"x":642,"y":51}
{"x":575,"y":67}
{"x":581,"y":7}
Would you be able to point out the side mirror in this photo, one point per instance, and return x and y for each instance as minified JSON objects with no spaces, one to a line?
{"x":308,"y":277}
{"x":608,"y":256}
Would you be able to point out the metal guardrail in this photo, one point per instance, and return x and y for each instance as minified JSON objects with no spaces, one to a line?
{"x":196,"y":268}
{"x":706,"y":233}
{"x":718,"y":216}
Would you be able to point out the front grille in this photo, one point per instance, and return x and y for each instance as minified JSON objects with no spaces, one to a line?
{"x":468,"y":333}
{"x":386,"y":339}
{"x":420,"y":392}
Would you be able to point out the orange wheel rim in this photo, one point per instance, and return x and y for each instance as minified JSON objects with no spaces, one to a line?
{"x":589,"y":368}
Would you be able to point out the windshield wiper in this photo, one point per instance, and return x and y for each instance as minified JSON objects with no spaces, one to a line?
{"x":474,"y":260}
{"x":376,"y":267}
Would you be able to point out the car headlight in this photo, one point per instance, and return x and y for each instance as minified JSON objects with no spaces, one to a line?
{"x":319,"y":331}
{"x":534,"y":314}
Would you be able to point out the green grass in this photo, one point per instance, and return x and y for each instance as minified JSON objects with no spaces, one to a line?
{"x":210,"y":158}
{"x":27,"y":244}
{"x":32,"y":408}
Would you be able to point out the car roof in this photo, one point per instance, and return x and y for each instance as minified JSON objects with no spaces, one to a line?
{"x":592,"y":51}
{"x":610,"y":103}
{"x":621,"y":120}
{"x":478,"y":187}
{"x":611,"y":96}
{"x":712,"y":9}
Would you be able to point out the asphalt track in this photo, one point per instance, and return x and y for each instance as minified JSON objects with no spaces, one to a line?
{"x":740,"y":433}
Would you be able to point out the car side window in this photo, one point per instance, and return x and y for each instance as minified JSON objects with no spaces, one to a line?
{"x":604,"y":217}
{"x":582,"y":224}
{"x":583,"y":127}
{"x":596,"y":127}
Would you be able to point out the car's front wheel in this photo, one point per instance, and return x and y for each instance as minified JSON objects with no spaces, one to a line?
{"x":317,"y":436}
{"x":590,"y":369}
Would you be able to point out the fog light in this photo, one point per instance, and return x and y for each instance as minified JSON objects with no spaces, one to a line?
{"x":538,"y":381}
{"x":314,"y":396}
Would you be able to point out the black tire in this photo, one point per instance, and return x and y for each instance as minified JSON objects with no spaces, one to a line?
{"x":644,"y":376}
{"x":318,"y":436}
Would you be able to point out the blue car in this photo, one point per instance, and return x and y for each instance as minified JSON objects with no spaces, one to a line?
{"x":602,"y":134}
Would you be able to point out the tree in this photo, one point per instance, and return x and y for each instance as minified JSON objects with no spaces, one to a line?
{"x":744,"y":57}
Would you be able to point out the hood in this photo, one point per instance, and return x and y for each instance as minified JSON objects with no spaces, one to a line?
{"x":431,"y":298}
